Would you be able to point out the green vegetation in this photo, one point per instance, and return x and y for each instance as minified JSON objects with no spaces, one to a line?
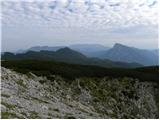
{"x":20,"y":82}
{"x":120,"y":95}
{"x":33,"y":115}
{"x":72,"y":71}
{"x":54,"y":109}
{"x":100,"y":96}
{"x":8,"y":115}
{"x":66,"y":55}
{"x":9,"y":106}
{"x":5,"y":95}
{"x":69,"y":117}
{"x":23,"y":113}
{"x":41,"y":101}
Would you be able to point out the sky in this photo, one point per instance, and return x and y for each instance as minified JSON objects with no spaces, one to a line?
{"x":27,"y":23}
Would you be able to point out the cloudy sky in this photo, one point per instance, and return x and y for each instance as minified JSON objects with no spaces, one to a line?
{"x":27,"y":23}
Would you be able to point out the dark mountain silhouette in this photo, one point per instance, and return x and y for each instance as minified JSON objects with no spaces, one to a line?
{"x":86,"y":49}
{"x":66,"y":55}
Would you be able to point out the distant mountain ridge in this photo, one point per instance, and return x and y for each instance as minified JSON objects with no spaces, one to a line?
{"x":67,"y":55}
{"x":156,"y":52}
{"x":118,"y":53}
{"x":124,"y":53}
{"x":91,"y":50}
{"x":86,"y":49}
{"x":46,"y":48}
{"x":39,"y":48}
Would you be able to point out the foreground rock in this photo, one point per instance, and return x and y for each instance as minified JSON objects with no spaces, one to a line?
{"x":29,"y":96}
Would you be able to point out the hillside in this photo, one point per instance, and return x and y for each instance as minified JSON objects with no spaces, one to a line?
{"x":156,"y":51}
{"x":30,"y":97}
{"x":124,"y":53}
{"x":72,"y":71}
{"x":67,"y":55}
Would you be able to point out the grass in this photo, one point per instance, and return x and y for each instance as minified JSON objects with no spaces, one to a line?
{"x":54,"y":109}
{"x":9,"y":115}
{"x":20,"y":82}
{"x":82,"y":110}
{"x":23,"y":113}
{"x":49,"y":114}
{"x":37,"y":99}
{"x":33,"y":115}
{"x":9,"y":106}
{"x":5,"y":95}
{"x":69,"y":117}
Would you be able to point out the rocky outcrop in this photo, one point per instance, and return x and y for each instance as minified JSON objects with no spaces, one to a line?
{"x":30,"y":96}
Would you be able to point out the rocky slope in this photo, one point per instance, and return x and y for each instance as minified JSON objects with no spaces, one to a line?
{"x":29,"y":96}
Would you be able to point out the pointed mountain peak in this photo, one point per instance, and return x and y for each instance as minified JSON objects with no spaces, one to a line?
{"x":118,"y":45}
{"x":69,"y":52}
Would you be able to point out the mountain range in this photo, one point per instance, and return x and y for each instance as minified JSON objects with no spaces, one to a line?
{"x":66,"y":55}
{"x":124,"y":53}
{"x":118,"y":53}
{"x":90,"y":50}
{"x":39,"y":48}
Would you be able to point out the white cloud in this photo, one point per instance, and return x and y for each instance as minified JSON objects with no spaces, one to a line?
{"x":100,"y":14}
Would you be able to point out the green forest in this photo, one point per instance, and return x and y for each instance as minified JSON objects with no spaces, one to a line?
{"x":72,"y":71}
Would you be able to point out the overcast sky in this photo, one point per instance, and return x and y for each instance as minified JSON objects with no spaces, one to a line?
{"x":27,"y":23}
